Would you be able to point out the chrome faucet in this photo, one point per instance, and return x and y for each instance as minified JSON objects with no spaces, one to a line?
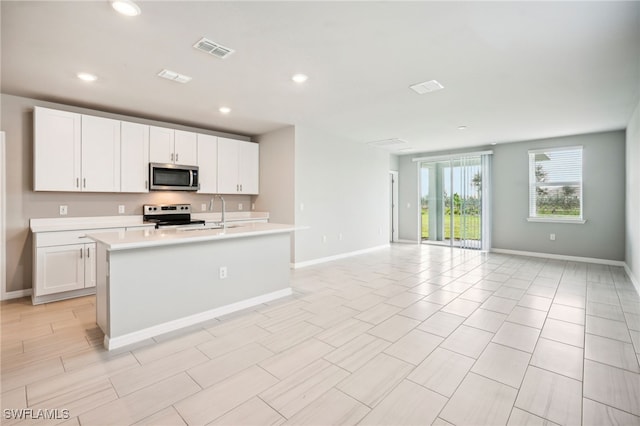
{"x":224,"y":208}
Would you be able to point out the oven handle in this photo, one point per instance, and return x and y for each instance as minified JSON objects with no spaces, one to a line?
{"x":190,"y":178}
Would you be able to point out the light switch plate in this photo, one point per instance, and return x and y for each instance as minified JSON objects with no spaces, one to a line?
{"x":120,"y":209}
{"x":63,"y":210}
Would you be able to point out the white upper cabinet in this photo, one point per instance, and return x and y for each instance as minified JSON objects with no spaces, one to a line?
{"x":57,"y":150}
{"x":249,"y":168}
{"x":75,"y":152}
{"x":238,"y":167}
{"x":161,"y":141}
{"x":185,"y":148}
{"x":172,"y":146}
{"x":100,"y":154}
{"x":208,"y":163}
{"x":134,"y":157}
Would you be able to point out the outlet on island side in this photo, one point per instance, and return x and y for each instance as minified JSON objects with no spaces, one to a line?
{"x":222,"y":272}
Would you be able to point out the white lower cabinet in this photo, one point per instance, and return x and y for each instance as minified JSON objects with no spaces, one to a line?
{"x":65,"y":268}
{"x":64,"y":264}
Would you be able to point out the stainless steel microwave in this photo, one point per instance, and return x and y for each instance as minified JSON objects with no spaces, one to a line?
{"x":173,"y":177}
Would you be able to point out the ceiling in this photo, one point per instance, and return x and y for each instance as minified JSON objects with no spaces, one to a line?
{"x":511,"y":70}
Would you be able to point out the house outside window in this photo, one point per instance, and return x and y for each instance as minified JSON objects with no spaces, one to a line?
{"x":555,"y":185}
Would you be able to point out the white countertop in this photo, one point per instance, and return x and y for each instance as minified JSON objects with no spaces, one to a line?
{"x":134,"y":239}
{"x":97,"y":222}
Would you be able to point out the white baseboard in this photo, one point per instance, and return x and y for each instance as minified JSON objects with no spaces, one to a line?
{"x":633,"y":278}
{"x":407,"y":241}
{"x":16,"y":294}
{"x":304,"y":264}
{"x":147,"y":333}
{"x":560,"y":257}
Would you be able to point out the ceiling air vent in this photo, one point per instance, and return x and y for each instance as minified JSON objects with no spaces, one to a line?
{"x":394,"y":144}
{"x":174,"y":76}
{"x":426,"y":87}
{"x":213,"y":48}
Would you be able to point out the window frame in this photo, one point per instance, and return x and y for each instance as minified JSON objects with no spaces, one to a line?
{"x":533,"y":184}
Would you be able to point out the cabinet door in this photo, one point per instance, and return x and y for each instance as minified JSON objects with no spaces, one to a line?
{"x":100,"y":154}
{"x":134,"y":157}
{"x":249,"y":161}
{"x":90,"y":265}
{"x":208,"y":163}
{"x":228,"y":152}
{"x":185,"y":148}
{"x":60,"y":268}
{"x":160,"y":144}
{"x":57,"y":150}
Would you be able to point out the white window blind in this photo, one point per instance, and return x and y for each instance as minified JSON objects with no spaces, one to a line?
{"x":555,"y":183}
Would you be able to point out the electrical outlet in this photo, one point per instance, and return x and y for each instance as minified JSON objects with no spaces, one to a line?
{"x":120,"y":209}
{"x":240,"y":206}
{"x":63,"y":210}
{"x":324,"y":238}
{"x":552,"y":237}
{"x":340,"y":236}
{"x":203,"y":207}
{"x":301,"y":207}
{"x":223,"y":272}
{"x":253,"y":206}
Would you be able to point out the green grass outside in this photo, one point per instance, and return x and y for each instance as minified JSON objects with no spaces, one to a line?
{"x":472,"y":223}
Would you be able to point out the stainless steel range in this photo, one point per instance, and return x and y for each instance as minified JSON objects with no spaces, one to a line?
{"x":170,"y":216}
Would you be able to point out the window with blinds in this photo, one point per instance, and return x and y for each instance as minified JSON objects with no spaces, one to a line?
{"x":555,"y":183}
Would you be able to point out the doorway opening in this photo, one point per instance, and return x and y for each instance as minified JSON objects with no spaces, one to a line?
{"x":453,"y":201}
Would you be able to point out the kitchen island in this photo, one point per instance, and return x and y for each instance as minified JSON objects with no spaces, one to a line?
{"x":150,"y":282}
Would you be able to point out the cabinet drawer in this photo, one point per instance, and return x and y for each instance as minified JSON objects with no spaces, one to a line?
{"x":58,"y":238}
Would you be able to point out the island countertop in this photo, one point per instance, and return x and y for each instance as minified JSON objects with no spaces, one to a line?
{"x":135,"y":239}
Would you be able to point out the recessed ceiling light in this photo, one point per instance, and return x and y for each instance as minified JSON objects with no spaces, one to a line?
{"x":85,"y":76}
{"x":126,"y":7}
{"x":462,"y":127}
{"x":299,"y":78}
{"x":225,"y":110}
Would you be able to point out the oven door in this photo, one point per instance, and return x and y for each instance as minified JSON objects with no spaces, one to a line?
{"x":172,"y":177}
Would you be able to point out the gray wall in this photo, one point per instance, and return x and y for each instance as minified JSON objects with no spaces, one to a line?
{"x":277,"y":177}
{"x":632,"y":249}
{"x":601,"y":237}
{"x":23,"y":203}
{"x":343,"y":186}
{"x":394,"y":162}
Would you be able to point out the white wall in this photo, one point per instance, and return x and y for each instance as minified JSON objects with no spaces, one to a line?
{"x":632,"y":246}
{"x":343,"y":186}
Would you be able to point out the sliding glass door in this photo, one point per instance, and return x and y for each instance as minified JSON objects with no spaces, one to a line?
{"x":451,"y":198}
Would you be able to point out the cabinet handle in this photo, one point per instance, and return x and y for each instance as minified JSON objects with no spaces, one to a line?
{"x":84,"y":182}
{"x":77,"y":182}
{"x":88,"y":252}
{"x":240,"y":187}
{"x":81,"y":250}
{"x":172,"y":157}
{"x":146,"y":184}
{"x":177,"y":154}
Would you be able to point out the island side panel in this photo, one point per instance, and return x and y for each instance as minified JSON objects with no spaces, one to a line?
{"x":102,"y":283}
{"x":151,"y":286}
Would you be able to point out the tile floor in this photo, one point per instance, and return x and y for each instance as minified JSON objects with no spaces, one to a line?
{"x":410,"y":335}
